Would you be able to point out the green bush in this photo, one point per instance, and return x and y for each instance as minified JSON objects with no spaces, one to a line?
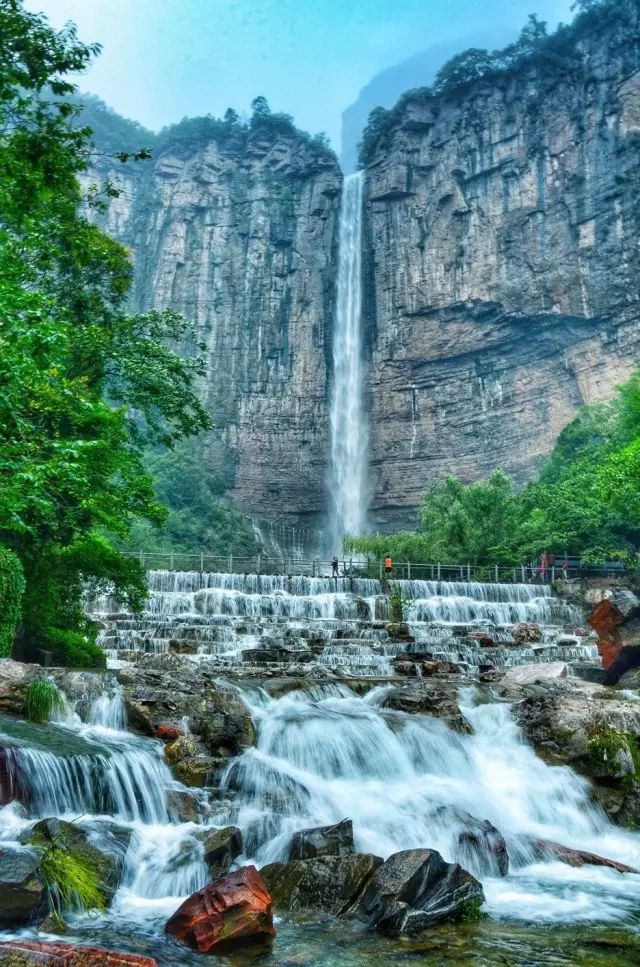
{"x":42,"y":698}
{"x":11,"y":591}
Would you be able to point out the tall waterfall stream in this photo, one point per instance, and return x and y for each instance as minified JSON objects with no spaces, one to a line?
{"x":326,"y":752}
{"x":348,"y":427}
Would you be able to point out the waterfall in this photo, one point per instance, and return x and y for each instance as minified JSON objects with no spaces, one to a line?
{"x":408,"y":781}
{"x":348,"y":429}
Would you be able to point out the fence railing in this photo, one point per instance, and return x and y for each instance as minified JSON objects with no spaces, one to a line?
{"x":353,"y":567}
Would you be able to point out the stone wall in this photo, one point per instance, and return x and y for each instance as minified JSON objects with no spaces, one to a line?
{"x":503,"y":263}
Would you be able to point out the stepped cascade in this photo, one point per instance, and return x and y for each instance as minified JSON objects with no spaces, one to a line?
{"x":348,"y":426}
{"x":244,"y":620}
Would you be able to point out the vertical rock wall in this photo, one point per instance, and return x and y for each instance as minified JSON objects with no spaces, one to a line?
{"x":503,"y":266}
{"x":239,"y":235}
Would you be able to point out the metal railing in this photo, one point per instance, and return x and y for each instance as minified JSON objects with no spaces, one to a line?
{"x":352,"y":567}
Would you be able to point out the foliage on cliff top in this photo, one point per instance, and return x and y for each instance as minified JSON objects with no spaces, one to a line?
{"x":556,"y":54}
{"x":85,"y":385}
{"x":190,"y":134}
{"x":586,"y":501}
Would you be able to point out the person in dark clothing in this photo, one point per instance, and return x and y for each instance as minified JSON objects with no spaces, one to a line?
{"x":334,"y":566}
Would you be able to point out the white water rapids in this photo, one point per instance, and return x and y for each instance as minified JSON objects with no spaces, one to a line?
{"x":348,"y":426}
{"x":325,"y":755}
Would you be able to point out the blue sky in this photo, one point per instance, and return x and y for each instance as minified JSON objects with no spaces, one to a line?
{"x":164,"y":59}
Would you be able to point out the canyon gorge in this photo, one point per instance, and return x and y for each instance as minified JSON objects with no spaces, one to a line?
{"x":499,"y":264}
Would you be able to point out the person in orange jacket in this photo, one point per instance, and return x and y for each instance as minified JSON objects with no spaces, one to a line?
{"x":388,"y":564}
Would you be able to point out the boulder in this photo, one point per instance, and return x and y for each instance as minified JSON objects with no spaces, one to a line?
{"x":430,"y":668}
{"x":334,"y":840}
{"x":415,"y":889}
{"x":529,"y":674}
{"x":166,"y":688}
{"x":328,"y":884}
{"x":593,"y":730}
{"x":236,"y":907}
{"x":615,"y":619}
{"x":526,"y":632}
{"x":221,"y":846}
{"x":481,"y":638}
{"x":39,"y":953}
{"x":14,"y":679}
{"x":24,"y":895}
{"x":12,"y":782}
{"x":577,"y":857}
{"x":482,"y":847}
{"x":167,"y":732}
{"x":75,"y":840}
{"x":408,"y":668}
{"x":183,"y":806}
{"x":427,"y":698}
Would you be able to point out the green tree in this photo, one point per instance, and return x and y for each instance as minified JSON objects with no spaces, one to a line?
{"x":85,"y":386}
{"x":464,"y":68}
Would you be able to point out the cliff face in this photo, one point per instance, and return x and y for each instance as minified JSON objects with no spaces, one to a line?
{"x":238,"y":234}
{"x":502,"y":256}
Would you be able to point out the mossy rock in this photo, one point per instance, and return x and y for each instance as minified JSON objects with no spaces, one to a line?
{"x":75,"y":841}
{"x":327,"y":884}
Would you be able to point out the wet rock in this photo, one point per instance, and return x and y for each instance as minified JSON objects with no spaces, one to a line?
{"x":415,"y":889}
{"x":481,"y":638}
{"x":167,"y":688}
{"x":399,"y":629}
{"x":483,"y":848}
{"x":426,"y":698}
{"x":14,"y":679}
{"x":525,"y":632}
{"x":200,"y":770}
{"x":409,"y":668}
{"x":167,"y":732}
{"x":183,"y":806}
{"x":329,"y":884}
{"x":529,"y":674}
{"x":431,"y":668}
{"x":591,"y":729}
{"x":334,"y":840}
{"x":23,"y":895}
{"x":13,"y":787}
{"x":577,"y":857}
{"x":236,"y":907}
{"x":616,"y":622}
{"x":40,"y":953}
{"x":221,"y":846}
{"x":492,"y":675}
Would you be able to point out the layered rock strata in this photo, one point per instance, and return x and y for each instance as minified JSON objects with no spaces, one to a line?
{"x":501,"y":246}
{"x":237,"y":232}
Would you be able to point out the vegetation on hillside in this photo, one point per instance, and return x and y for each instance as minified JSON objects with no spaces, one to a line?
{"x":556,"y":52}
{"x":192,"y":133}
{"x":585,"y":502}
{"x":200,"y":519}
{"x":87,"y":387}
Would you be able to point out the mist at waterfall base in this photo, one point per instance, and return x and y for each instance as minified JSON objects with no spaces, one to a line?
{"x":348,"y":483}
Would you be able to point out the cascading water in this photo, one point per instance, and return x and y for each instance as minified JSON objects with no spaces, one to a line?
{"x":408,"y":781}
{"x":348,"y":426}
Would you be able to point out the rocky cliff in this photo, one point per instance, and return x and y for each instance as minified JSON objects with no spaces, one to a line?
{"x":502,"y":260}
{"x":235,"y":227}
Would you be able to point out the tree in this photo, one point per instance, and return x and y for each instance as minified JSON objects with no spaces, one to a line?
{"x":85,"y":386}
{"x":464,"y":68}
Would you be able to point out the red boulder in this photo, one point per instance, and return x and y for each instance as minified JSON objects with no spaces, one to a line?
{"x":236,"y":907}
{"x":42,"y":954}
{"x":577,"y":857}
{"x":168,"y":732}
{"x":606,"y":619}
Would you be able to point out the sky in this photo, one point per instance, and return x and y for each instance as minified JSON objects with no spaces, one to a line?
{"x":163,"y":60}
